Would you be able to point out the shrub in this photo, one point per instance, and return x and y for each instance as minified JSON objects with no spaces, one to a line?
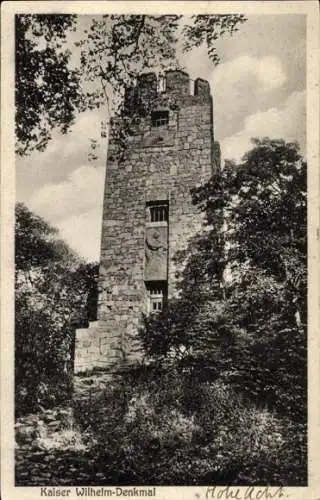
{"x":53,"y":288}
{"x":147,"y":432}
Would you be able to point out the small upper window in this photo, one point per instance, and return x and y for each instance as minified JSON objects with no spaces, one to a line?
{"x":158,"y":213}
{"x":160,"y":118}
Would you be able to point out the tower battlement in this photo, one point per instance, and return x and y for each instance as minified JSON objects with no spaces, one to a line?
{"x":175,"y":83}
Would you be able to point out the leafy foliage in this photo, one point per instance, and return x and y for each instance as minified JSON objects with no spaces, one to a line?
{"x":47,"y":89}
{"x":50,"y":90}
{"x":52,"y":288}
{"x":117,"y":48}
{"x":158,"y":427}
{"x":208,"y":29}
{"x":242,"y":308}
{"x":36,"y":241}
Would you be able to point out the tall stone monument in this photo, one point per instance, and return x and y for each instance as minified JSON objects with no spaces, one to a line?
{"x":148,"y":213}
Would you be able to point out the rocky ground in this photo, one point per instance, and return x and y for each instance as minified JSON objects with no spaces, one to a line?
{"x":52,"y":449}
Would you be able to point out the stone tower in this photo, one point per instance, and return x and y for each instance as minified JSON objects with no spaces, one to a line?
{"x":148,"y":213}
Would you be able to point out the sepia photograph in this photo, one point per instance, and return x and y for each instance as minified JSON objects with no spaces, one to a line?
{"x":160,"y":330}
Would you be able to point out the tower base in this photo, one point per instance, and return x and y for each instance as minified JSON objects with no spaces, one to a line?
{"x":95,"y":348}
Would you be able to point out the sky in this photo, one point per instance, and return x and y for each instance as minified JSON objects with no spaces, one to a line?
{"x":259,"y":90}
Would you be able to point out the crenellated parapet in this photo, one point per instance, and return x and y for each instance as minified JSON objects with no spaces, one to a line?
{"x":174,"y":85}
{"x":201,"y":87}
{"x":177,"y":82}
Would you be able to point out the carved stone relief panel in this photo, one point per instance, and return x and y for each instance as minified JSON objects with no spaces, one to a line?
{"x":156,"y":253}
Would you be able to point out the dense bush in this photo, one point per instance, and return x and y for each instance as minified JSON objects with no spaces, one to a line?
{"x":161,"y":428}
{"x":51,"y":297}
{"x":244,"y":340}
{"x":241,"y":312}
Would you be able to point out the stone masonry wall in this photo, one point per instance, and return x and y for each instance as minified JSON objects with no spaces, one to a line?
{"x":161,"y":164}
